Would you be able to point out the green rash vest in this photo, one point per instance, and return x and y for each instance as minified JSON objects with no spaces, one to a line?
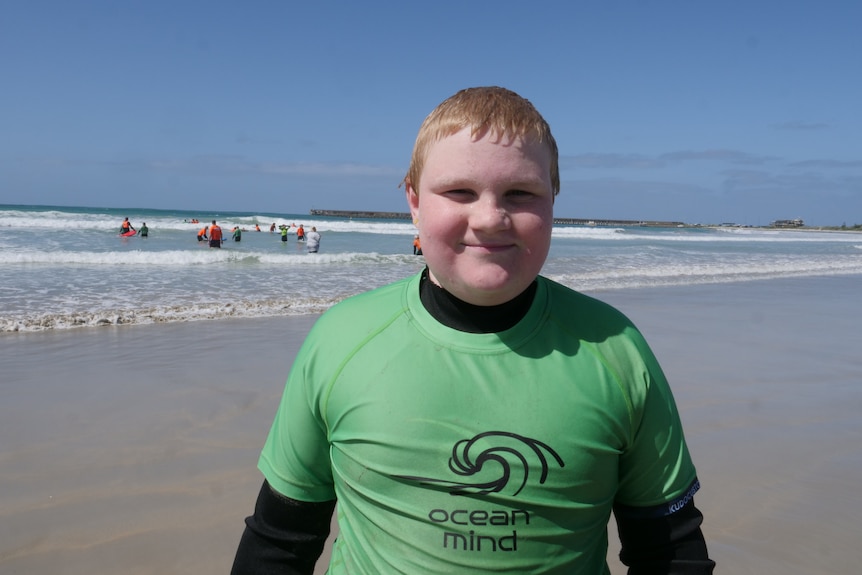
{"x":453,"y":452}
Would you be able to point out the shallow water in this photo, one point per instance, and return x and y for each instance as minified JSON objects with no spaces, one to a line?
{"x":67,"y":267}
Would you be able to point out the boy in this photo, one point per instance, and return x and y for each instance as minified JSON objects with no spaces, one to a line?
{"x":477,"y":417}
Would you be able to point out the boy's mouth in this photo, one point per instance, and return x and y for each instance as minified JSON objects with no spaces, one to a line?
{"x":490,"y":248}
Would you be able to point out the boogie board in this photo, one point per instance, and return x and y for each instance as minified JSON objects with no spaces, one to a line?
{"x":128,"y":234}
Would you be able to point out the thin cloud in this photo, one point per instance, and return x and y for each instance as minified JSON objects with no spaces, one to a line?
{"x":211,"y":163}
{"x":639,"y":187}
{"x":324,"y":169}
{"x":610,"y":161}
{"x":243,"y":138}
{"x":802,"y":126}
{"x":734,"y":179}
{"x":239,"y":164}
{"x":640,"y":161}
{"x":827,"y":164}
{"x":807,"y":183}
{"x":719,"y":155}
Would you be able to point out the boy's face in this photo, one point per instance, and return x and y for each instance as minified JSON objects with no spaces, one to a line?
{"x":484,"y":213}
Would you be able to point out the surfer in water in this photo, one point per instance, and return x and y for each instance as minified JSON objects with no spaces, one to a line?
{"x":215,"y":235}
{"x":126,"y":226}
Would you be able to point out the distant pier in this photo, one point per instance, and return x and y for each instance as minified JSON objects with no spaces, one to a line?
{"x":562,"y":221}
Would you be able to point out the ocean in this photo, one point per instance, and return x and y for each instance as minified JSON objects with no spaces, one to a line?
{"x":67,"y":267}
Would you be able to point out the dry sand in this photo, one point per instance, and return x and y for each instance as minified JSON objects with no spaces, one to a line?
{"x":134,"y":449}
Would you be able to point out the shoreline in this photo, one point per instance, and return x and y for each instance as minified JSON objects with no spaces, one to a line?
{"x":78,"y":321}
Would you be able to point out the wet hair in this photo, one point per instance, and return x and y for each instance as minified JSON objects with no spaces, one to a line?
{"x":484,"y":109}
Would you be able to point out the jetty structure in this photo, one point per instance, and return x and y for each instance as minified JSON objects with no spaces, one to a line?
{"x":350,"y":214}
{"x":797,"y":223}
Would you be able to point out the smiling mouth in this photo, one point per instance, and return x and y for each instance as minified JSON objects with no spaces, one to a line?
{"x":492,"y":248}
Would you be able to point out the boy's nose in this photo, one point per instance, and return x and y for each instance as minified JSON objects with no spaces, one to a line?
{"x":489,"y":214}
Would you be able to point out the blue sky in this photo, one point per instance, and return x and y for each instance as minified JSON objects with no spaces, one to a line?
{"x":694,"y":111}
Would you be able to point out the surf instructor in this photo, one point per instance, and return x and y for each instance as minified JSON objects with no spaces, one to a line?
{"x":215,"y":235}
{"x":126,"y":226}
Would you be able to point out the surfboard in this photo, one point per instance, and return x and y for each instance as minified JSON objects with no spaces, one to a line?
{"x":128,"y":234}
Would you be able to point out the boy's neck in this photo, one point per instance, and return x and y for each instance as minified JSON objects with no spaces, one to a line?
{"x":457,"y":314}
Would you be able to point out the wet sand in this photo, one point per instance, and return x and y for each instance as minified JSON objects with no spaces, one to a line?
{"x":134,"y":449}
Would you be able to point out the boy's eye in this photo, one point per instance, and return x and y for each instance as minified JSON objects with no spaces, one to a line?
{"x":460,"y":194}
{"x":519,"y":194}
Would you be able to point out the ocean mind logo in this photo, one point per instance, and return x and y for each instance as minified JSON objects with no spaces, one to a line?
{"x":498,"y":462}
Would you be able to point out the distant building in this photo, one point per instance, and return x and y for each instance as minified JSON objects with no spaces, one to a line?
{"x":797,"y":223}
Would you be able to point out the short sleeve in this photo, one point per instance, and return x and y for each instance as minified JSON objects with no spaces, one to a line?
{"x":655,"y":468}
{"x":295,"y":458}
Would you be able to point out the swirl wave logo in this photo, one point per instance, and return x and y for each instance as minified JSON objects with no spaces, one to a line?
{"x":511,"y":458}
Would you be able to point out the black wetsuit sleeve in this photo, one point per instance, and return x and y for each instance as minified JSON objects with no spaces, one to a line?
{"x":283,"y":536}
{"x":665,"y":545}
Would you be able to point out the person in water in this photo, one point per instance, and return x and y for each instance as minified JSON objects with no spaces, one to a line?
{"x":300,"y":234}
{"x":126,"y":226}
{"x":215,"y":235}
{"x":312,"y":241}
{"x":476,"y":417}
{"x":237,"y":234}
{"x":283,"y":233}
{"x":202,"y":234}
{"x":417,"y":246}
{"x":144,"y":231}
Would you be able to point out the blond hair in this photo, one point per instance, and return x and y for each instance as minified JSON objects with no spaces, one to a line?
{"x":492,"y":109}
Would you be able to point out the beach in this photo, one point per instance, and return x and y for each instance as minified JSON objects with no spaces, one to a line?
{"x":133,"y":449}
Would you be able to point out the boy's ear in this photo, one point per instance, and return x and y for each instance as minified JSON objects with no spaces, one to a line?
{"x":412,"y":200}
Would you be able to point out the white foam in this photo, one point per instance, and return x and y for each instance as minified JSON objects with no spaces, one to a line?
{"x":164,"y":314}
{"x":193,"y":257}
